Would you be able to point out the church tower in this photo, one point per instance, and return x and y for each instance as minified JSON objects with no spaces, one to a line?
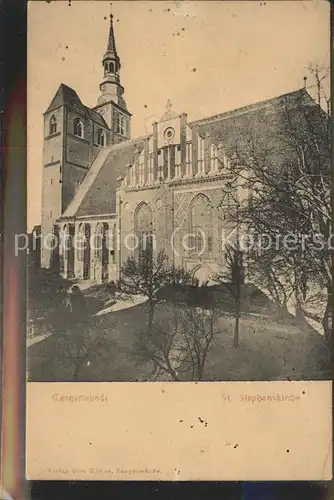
{"x":73,"y":136}
{"x":111,"y":104}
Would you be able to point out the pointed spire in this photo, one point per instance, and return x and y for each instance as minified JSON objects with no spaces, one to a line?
{"x":111,"y":47}
{"x":111,"y":52}
{"x":110,"y":86}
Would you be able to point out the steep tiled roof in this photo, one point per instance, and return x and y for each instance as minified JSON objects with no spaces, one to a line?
{"x":259,"y":119}
{"x":66,"y":96}
{"x":267,"y":103}
{"x":97,"y":192}
{"x":95,"y":116}
{"x":259,"y":129}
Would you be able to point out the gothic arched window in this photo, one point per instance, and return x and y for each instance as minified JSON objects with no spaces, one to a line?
{"x":80,"y":242}
{"x":97,"y":240}
{"x":105,"y":250}
{"x":200,"y":225}
{"x":101,"y":137}
{"x":112,"y":243}
{"x":78,"y":127}
{"x":121,"y":124}
{"x":53,"y":125}
{"x":143,"y":228}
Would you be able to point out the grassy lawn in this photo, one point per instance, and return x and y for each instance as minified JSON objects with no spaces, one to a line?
{"x":268,"y":350}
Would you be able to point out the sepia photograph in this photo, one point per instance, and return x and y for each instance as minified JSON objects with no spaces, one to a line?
{"x":179,"y":192}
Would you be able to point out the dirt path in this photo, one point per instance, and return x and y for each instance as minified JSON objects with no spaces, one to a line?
{"x":122,"y":304}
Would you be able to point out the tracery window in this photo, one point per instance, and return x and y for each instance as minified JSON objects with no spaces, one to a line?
{"x":97,"y":241}
{"x":143,"y":229}
{"x":80,"y":242}
{"x":141,"y":173}
{"x":112,"y":242}
{"x":201,"y":231}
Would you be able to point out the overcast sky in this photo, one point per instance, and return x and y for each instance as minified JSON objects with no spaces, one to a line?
{"x":207,"y":57}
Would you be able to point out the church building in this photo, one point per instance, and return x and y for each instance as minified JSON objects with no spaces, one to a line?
{"x":174,"y":185}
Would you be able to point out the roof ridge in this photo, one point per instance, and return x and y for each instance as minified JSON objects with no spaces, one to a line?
{"x":96,"y":166}
{"x":244,"y":109}
{"x":62,"y":94}
{"x":129,"y":142}
{"x":94,"y":115}
{"x":86,"y":183}
{"x":65,"y":85}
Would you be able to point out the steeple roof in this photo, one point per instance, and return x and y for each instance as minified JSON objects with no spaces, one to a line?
{"x":111,"y":46}
{"x":64,"y":95}
{"x":111,"y":39}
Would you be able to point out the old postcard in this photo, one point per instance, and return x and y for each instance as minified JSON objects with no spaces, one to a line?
{"x":179,"y":241}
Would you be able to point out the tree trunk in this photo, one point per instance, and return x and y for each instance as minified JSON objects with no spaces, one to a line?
{"x":300,"y":315}
{"x":171,"y":370}
{"x":281,"y":311}
{"x":236,"y":324}
{"x":201,"y":369}
{"x":326,"y":323}
{"x":151,"y":307}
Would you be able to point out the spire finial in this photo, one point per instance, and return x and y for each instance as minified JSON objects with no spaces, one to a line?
{"x":169,"y":113}
{"x":111,"y":47}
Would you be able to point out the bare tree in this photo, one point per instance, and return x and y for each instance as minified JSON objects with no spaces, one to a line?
{"x":147,"y":275}
{"x":320,"y":75}
{"x":289,"y":182}
{"x":199,"y":330}
{"x":178,"y":348}
{"x":46,"y":293}
{"x":231,"y":277}
{"x":80,"y":347}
